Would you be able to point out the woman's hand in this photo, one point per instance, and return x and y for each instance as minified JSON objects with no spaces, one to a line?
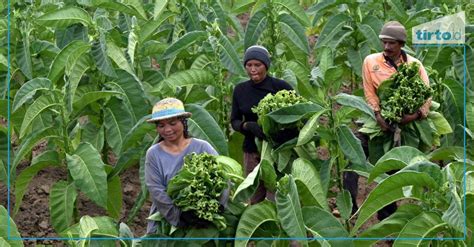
{"x":255,"y":129}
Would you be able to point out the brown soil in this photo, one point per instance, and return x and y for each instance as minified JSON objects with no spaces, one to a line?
{"x":33,"y":219}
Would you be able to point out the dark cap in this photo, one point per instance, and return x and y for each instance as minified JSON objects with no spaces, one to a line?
{"x":393,"y":30}
{"x":257,"y":52}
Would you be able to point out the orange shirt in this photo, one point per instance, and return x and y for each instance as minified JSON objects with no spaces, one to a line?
{"x":375,"y":70}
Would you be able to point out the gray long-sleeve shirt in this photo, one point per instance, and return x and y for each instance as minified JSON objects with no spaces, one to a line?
{"x":160,"y":167}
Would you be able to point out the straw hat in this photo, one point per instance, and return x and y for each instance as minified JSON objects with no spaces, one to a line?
{"x":168,"y":108}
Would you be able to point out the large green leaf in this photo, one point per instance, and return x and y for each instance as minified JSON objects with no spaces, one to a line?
{"x":307,"y":175}
{"x":371,"y":36}
{"x":191,"y":16}
{"x":454,"y":215}
{"x":447,"y":153}
{"x":135,"y":94}
{"x":289,"y":210}
{"x":252,"y":218}
{"x":419,"y":228}
{"x":267,"y":169}
{"x":294,"y":31}
{"x":390,"y":190}
{"x":99,"y":53}
{"x":202,"y":125}
{"x":356,"y":57}
{"x":350,"y":145}
{"x":114,"y":195}
{"x":132,"y":41}
{"x":331,"y":28}
{"x":116,"y":54}
{"x":441,"y":124}
{"x":255,"y":27}
{"x":31,"y":140}
{"x":184,"y":42}
{"x":406,"y":154}
{"x":46,"y":159}
{"x":62,"y":199}
{"x":148,"y":28}
{"x":229,"y":57}
{"x":9,"y":232}
{"x":84,"y":100}
{"x":398,"y":8}
{"x":294,"y":113}
{"x":385,"y":166}
{"x":41,"y":104}
{"x":28,"y":90}
{"x":248,"y":187}
{"x":296,"y":10}
{"x":160,"y":5}
{"x":325,"y":225}
{"x":187,"y":77}
{"x":120,"y":7}
{"x":309,"y":129}
{"x":117,"y":124}
{"x":355,"y":102}
{"x":23,"y":55}
{"x":75,"y":74}
{"x":66,"y":17}
{"x":389,"y":227}
{"x":60,"y":61}
{"x":87,"y":170}
{"x":92,"y":226}
{"x":232,"y":167}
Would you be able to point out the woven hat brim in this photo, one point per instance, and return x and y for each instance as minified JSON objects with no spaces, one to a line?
{"x":181,"y":114}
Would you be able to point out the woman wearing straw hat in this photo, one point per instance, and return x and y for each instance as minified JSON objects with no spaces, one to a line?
{"x":165,"y":159}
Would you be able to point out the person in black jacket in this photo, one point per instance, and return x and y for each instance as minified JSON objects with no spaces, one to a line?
{"x":247,"y":95}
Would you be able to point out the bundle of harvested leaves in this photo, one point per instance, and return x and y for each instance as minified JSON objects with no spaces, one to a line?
{"x":403,"y":93}
{"x":198,"y":187}
{"x":279,"y":100}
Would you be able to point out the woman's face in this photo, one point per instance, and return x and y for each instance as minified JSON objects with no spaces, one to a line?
{"x":256,"y":70}
{"x":171,"y":129}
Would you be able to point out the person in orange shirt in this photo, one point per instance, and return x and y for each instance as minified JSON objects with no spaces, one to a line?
{"x":380,"y":66}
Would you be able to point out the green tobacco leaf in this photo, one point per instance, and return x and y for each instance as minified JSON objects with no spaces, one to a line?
{"x":41,"y":104}
{"x":350,"y":145}
{"x":117,"y":124}
{"x":61,"y":205}
{"x":92,"y":226}
{"x":294,"y":113}
{"x":229,"y":57}
{"x":184,"y":42}
{"x":90,"y":97}
{"x":188,"y":77}
{"x":66,"y":17}
{"x":23,"y":55}
{"x":31,"y":140}
{"x":447,"y":153}
{"x":389,"y":227}
{"x":371,"y":36}
{"x":255,"y":27}
{"x":425,"y":225}
{"x":294,"y":31}
{"x":46,"y":159}
{"x":191,"y":16}
{"x":325,"y":225}
{"x":117,"y":55}
{"x":132,"y":41}
{"x":9,"y":229}
{"x":344,"y":204}
{"x":441,"y":124}
{"x":28,"y":90}
{"x":398,"y":8}
{"x":331,"y":28}
{"x":87,"y":170}
{"x":135,"y":94}
{"x":120,"y":7}
{"x":355,"y":102}
{"x":391,"y":190}
{"x":405,"y":154}
{"x":99,"y":53}
{"x":203,"y":126}
{"x":160,"y":5}
{"x":252,"y":218}
{"x":114,"y":195}
{"x":148,"y":28}
{"x":454,"y":215}
{"x":289,"y":211}
{"x":425,"y":131}
{"x":296,"y":10}
{"x":60,"y":61}
{"x":75,"y":74}
{"x":385,"y":166}
{"x":231,"y":166}
{"x":248,"y":187}
{"x":309,"y":129}
{"x":356,"y":57}
{"x":267,"y":169}
{"x":306,"y":175}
